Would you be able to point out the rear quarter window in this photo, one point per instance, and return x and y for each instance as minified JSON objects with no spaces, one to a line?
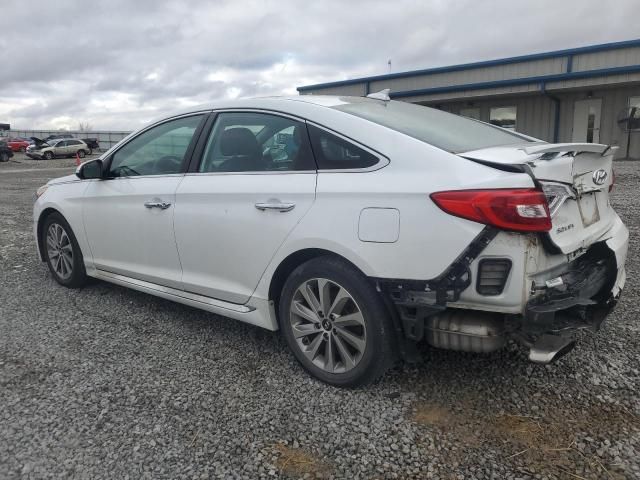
{"x":335,"y":153}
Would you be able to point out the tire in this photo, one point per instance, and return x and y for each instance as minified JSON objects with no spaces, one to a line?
{"x":58,"y":237}
{"x":4,"y":157}
{"x":344,"y":353}
{"x":23,"y":149}
{"x":90,"y":151}
{"x":48,"y":155}
{"x":82,"y":153}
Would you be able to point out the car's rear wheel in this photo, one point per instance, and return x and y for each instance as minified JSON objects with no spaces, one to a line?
{"x":82,"y":153}
{"x":62,"y":252}
{"x":23,"y":149}
{"x":48,"y":155}
{"x":335,"y":323}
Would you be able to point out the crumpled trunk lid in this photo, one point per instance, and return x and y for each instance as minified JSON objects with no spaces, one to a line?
{"x":575,"y":177}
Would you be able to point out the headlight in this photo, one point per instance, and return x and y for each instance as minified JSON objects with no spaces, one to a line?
{"x":41,"y":190}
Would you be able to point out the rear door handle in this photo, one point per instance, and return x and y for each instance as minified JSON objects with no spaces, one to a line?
{"x":160,"y":205}
{"x":279,"y":206}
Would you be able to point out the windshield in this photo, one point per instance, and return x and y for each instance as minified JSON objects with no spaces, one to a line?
{"x":449,"y":132}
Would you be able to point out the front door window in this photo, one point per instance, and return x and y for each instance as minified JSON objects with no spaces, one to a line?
{"x":157,"y":151}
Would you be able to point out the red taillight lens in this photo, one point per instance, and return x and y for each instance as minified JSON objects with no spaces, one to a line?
{"x":520,"y":210}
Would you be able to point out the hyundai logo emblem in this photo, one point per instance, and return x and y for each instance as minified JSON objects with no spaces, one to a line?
{"x":600,"y":176}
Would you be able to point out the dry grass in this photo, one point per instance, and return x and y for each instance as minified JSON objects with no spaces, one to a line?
{"x":295,"y":462}
{"x":541,"y":444}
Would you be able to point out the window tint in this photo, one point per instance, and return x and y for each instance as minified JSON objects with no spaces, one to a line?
{"x":449,"y":132}
{"x":158,"y":151}
{"x":257,"y":142}
{"x":332,"y":152}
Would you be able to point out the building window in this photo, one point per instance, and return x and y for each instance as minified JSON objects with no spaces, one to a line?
{"x":470,"y":113}
{"x":634,"y":114}
{"x":504,"y":117}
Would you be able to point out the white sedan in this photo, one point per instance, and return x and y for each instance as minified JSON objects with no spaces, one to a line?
{"x":356,"y":226}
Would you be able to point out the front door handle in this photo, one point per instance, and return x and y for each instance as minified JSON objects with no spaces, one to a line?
{"x":160,"y":205}
{"x":279,"y":206}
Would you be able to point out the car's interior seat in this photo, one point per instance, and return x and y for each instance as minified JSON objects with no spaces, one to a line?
{"x":241,"y":145}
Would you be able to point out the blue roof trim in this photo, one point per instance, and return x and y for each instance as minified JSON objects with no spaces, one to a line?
{"x":485,"y":63}
{"x":518,"y":81}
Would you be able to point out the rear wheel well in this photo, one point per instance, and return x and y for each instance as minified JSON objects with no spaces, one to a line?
{"x":43,"y":216}
{"x":292,"y":262}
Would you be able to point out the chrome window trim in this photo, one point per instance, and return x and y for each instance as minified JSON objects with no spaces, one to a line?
{"x":163,"y":175}
{"x":265,"y":172}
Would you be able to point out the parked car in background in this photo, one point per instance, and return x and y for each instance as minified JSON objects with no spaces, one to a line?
{"x":19,"y":144}
{"x":356,"y":226}
{"x":42,"y":150}
{"x":5,"y":151}
{"x":92,"y":143}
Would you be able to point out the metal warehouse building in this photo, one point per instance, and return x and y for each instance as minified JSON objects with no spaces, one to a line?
{"x":575,"y":95}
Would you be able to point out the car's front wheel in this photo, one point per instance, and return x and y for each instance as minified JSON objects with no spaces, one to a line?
{"x":335,"y":323}
{"x":62,"y":252}
{"x":48,"y":155}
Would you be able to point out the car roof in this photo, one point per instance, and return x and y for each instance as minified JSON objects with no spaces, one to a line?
{"x":286,"y":104}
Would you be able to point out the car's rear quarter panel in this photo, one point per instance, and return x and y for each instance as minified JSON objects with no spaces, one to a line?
{"x":429,"y":240}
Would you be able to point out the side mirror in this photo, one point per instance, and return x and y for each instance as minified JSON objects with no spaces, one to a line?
{"x":90,"y":170}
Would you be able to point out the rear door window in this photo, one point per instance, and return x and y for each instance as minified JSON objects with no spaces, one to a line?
{"x":257,"y":142}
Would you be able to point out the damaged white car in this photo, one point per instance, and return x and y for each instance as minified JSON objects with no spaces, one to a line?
{"x":355,"y":226}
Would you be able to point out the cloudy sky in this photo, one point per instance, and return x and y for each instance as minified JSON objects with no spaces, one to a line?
{"x":117,"y":64}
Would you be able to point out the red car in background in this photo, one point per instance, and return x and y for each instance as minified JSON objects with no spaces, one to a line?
{"x":19,"y":144}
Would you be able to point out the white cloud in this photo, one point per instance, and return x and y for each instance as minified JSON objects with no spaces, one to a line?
{"x":139,"y":60}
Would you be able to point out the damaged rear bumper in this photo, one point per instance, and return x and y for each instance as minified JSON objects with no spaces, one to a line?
{"x":579,"y":296}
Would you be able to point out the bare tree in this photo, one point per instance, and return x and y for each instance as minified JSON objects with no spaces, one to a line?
{"x":85,"y":127}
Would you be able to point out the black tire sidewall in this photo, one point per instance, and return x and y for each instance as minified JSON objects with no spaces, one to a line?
{"x":79,"y":277}
{"x":379,"y":354}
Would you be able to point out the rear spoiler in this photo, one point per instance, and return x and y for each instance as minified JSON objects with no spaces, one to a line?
{"x":569,"y":147}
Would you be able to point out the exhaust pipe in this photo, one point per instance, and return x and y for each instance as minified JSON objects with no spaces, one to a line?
{"x":549,"y":348}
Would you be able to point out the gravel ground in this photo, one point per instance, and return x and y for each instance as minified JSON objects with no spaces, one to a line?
{"x":110,"y":383}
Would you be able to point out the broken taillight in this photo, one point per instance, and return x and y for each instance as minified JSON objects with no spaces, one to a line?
{"x":518,"y":209}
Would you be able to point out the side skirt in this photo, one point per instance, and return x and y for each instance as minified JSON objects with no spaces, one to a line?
{"x":244,"y":313}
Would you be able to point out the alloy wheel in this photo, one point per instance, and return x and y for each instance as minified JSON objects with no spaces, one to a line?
{"x":328,"y":325}
{"x":60,"y":251}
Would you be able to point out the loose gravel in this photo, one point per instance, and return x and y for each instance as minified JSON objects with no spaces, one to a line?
{"x":106,"y":382}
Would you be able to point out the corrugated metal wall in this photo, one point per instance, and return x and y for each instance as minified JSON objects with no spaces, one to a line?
{"x":494,"y":73}
{"x":534,"y":113}
{"x":614,"y":100}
